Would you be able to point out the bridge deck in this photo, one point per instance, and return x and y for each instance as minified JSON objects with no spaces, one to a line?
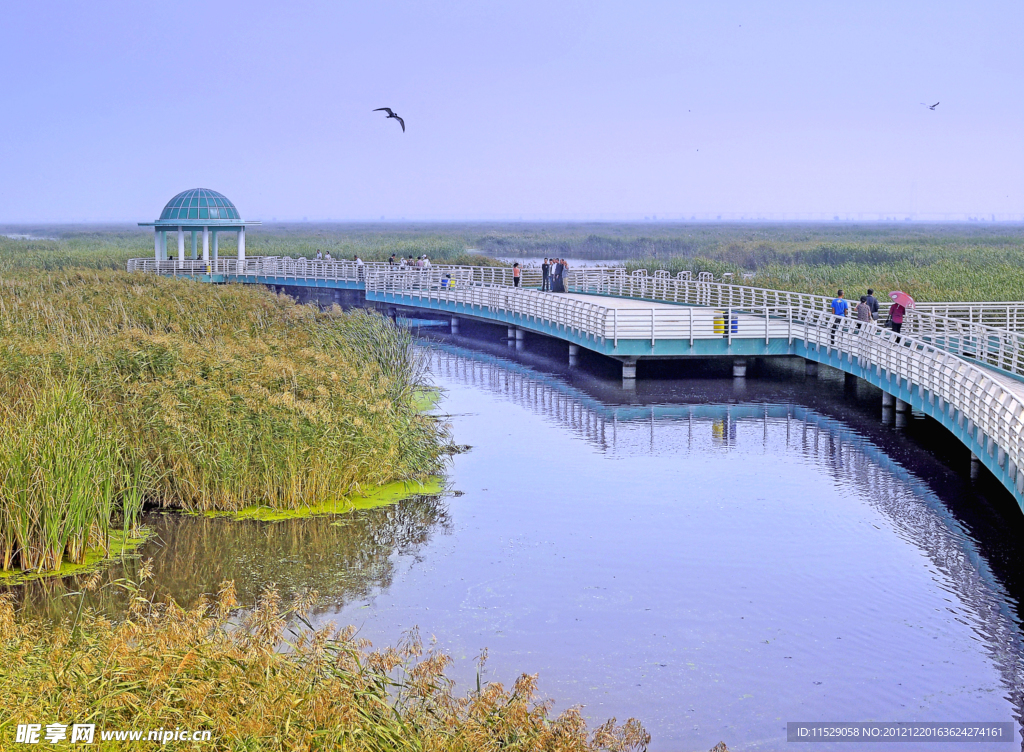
{"x":1009,"y":383}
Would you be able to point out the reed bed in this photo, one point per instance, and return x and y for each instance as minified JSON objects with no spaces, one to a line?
{"x":64,"y":475}
{"x":209,"y":398}
{"x":259,"y":680}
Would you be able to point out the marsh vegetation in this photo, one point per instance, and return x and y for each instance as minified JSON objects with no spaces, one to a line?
{"x":214,"y":667}
{"x":122,"y":390}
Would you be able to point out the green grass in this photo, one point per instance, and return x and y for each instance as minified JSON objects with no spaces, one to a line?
{"x":65,"y":473}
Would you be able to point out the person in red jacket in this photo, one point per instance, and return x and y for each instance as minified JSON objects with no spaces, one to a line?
{"x":896,"y":312}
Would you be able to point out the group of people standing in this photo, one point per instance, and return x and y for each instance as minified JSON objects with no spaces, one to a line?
{"x":553,"y":275}
{"x":420,"y":262}
{"x":867,"y":309}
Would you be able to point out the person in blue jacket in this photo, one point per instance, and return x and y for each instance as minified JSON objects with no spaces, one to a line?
{"x":840,"y":307}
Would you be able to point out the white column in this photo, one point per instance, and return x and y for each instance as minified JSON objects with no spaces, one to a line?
{"x":215,"y":247}
{"x":206,"y":245}
{"x":163,"y":245}
{"x":241,"y":243}
{"x":156,"y":243}
{"x":181,"y":248}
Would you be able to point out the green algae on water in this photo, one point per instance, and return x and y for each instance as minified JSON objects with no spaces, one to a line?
{"x":426,"y":399}
{"x":95,"y":558}
{"x":389,"y":493}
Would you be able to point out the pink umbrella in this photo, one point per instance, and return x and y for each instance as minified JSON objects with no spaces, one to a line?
{"x":902,"y":299}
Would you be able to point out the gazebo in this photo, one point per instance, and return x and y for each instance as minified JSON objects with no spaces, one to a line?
{"x":198,"y":210}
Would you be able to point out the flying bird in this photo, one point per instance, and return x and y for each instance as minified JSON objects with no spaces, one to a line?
{"x":930,"y":106}
{"x":393,"y":115}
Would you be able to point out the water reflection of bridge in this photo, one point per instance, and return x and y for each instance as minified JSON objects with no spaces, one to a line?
{"x":916,"y":513}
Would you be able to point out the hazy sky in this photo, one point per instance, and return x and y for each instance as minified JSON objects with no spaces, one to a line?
{"x":532,"y":109}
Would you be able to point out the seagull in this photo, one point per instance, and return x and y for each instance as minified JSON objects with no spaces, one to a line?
{"x":400,"y":121}
{"x":930,"y":107}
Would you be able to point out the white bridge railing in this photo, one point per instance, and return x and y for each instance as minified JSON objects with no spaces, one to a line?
{"x":999,"y":348}
{"x":993,"y":414}
{"x":335,"y":270}
{"x":1001,"y":315}
{"x":584,"y":318}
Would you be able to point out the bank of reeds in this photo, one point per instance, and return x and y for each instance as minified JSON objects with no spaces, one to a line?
{"x":214,"y":668}
{"x":201,"y":398}
{"x":65,"y":474}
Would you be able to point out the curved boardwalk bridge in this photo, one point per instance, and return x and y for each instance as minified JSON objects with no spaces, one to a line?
{"x":961,"y":363}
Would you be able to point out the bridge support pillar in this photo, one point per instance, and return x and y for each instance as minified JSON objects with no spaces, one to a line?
{"x":810,"y":368}
{"x":975,"y":466}
{"x":888,"y":400}
{"x":629,"y":373}
{"x":849,"y":381}
{"x":455,"y":325}
{"x":520,"y":339}
{"x":574,"y":355}
{"x":739,"y":367}
{"x":511,"y":335}
{"x":901,"y":406}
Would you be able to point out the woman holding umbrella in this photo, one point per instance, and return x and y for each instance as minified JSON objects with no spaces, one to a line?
{"x":900,"y":303}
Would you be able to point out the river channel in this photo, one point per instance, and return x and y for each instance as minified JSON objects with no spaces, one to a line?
{"x":713,"y":556}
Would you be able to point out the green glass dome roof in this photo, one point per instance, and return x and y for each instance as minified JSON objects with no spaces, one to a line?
{"x":199,"y":203}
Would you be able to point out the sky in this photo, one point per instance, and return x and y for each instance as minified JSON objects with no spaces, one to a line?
{"x":535,"y":110}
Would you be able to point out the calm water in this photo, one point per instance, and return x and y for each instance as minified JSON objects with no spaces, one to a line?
{"x":713,"y":557}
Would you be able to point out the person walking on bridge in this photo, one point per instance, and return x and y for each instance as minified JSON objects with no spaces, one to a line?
{"x":873,"y":302}
{"x":517,"y":274}
{"x":840,"y":308}
{"x":863,"y":309}
{"x":896,"y":312}
{"x":545,"y":280}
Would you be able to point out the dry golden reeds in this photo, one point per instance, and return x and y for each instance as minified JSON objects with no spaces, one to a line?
{"x":214,"y":667}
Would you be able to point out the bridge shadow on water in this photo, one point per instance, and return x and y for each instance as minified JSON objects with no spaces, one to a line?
{"x":914,"y":472}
